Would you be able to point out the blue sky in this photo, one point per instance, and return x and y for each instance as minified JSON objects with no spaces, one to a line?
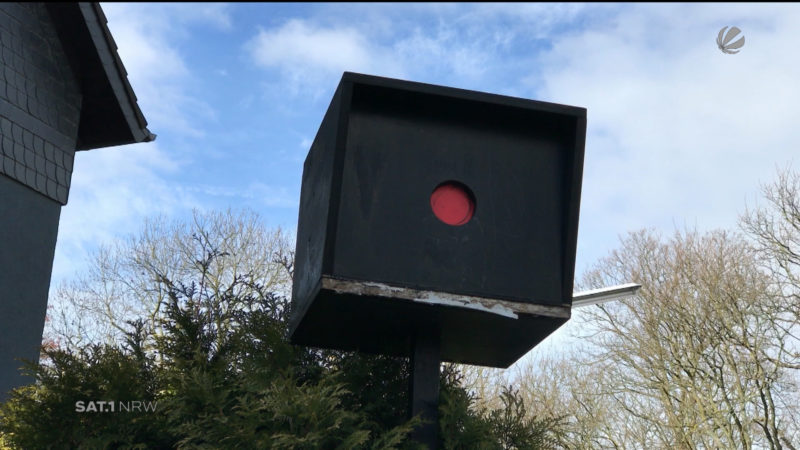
{"x":679,"y":134}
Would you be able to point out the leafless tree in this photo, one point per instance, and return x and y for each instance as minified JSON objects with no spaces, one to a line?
{"x":775,"y":227}
{"x":707,"y":355}
{"x":699,"y":356}
{"x":123,"y":278}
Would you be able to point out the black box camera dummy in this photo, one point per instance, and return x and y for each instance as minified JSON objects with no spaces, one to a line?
{"x":425,"y":205}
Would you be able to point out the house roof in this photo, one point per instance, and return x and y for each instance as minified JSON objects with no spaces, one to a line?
{"x":110,"y":114}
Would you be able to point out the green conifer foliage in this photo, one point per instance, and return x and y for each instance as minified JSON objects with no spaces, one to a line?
{"x":222,"y":374}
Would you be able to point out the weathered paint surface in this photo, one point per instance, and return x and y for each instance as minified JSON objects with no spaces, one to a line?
{"x":490,"y":305}
{"x":374,"y":263}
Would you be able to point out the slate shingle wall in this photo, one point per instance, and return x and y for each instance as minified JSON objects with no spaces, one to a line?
{"x":39,"y":102}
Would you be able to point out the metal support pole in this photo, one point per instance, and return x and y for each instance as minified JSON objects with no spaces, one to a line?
{"x":424,"y":381}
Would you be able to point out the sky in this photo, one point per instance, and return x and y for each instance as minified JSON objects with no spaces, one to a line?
{"x":680,"y":134}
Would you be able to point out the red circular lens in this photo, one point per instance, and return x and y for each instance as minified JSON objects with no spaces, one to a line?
{"x":453,"y":203}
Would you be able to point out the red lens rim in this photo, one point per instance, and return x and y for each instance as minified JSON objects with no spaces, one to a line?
{"x":453,"y":203}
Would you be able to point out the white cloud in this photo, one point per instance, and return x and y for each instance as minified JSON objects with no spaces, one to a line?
{"x":114,"y":189}
{"x":463,"y":43}
{"x":679,"y":133}
{"x":147,"y":43}
{"x":215,"y":14}
{"x":299,"y":45}
{"x":306,"y":54}
{"x":265,"y":195}
{"x":442,"y":52}
{"x":275,"y":196}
